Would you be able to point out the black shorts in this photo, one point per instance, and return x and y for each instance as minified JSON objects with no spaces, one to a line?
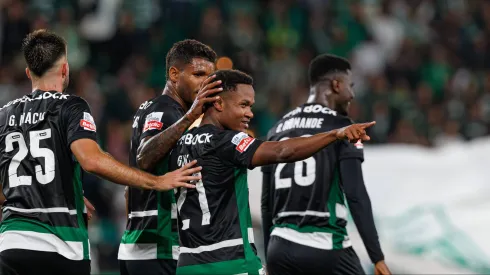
{"x":27,"y":262}
{"x":148,"y":267}
{"x":288,"y":258}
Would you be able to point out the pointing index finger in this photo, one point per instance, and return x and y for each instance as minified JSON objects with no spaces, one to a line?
{"x":367,"y":124}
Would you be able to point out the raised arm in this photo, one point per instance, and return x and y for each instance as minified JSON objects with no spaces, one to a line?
{"x":299,"y":148}
{"x":153,"y":149}
{"x":95,"y":161}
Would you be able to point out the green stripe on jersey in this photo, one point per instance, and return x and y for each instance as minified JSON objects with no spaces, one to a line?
{"x":335,"y":197}
{"x":80,"y":205}
{"x":67,"y":234}
{"x":241,"y":192}
{"x":163,"y":237}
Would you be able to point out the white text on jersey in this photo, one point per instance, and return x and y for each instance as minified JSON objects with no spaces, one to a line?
{"x":190,"y":139}
{"x":27,"y":118}
{"x":44,"y":95}
{"x":300,"y":122}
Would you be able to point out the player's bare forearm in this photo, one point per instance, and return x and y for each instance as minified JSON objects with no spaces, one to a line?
{"x":95,"y":161}
{"x":293,"y":149}
{"x":153,"y":149}
{"x":112,"y":170}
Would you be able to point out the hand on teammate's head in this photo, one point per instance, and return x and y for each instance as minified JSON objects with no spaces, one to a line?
{"x":205,"y":96}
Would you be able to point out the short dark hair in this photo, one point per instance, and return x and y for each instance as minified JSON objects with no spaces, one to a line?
{"x":42,"y":49}
{"x":184,"y":51}
{"x":231,"y":78}
{"x":326,"y":64}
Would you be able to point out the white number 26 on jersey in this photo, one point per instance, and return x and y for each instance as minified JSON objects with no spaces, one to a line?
{"x":36,"y":152}
{"x":299,"y":179}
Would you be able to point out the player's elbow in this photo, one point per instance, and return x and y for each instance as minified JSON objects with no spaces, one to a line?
{"x":90,"y":165}
{"x":285,"y":154}
{"x":142,"y":162}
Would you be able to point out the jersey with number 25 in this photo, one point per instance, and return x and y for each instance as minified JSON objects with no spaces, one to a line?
{"x":40,"y":177}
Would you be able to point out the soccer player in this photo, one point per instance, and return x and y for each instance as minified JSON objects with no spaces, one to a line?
{"x":46,"y":139}
{"x":150,"y":242}
{"x":215,"y":226}
{"x":303,"y":202}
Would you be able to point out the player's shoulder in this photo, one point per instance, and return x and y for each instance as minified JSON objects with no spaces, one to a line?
{"x":160,"y":106}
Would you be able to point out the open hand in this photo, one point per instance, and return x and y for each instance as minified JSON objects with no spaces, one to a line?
{"x":204,"y":96}
{"x":179,"y":178}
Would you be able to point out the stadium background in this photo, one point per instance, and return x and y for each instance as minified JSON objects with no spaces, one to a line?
{"x":421,"y":68}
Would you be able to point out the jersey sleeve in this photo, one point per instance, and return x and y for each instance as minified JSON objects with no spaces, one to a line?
{"x":79,"y":121}
{"x":238,"y":148}
{"x":350,"y":150}
{"x":159,"y":118}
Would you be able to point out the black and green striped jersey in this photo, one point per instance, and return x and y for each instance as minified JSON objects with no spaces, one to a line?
{"x":151,"y":230}
{"x":307,"y":198}
{"x":215,"y":225}
{"x":41,"y":179}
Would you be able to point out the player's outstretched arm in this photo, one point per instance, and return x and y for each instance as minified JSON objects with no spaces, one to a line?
{"x":95,"y":161}
{"x":153,"y":149}
{"x":299,"y":148}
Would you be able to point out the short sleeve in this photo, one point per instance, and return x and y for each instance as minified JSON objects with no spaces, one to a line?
{"x":238,"y":148}
{"x":159,"y":118}
{"x":79,"y":121}
{"x":350,"y":150}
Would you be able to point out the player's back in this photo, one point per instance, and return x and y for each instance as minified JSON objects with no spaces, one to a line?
{"x":44,"y":208}
{"x":215,"y":226}
{"x":307,"y":195}
{"x":151,"y":229}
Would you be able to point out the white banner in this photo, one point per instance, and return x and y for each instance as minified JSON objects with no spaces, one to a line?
{"x":432,"y":206}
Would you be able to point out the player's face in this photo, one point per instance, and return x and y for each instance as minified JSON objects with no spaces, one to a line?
{"x":237,"y":108}
{"x":191,"y":77}
{"x":346,"y":94}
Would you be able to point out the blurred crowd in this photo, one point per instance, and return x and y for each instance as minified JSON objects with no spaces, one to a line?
{"x":421,"y":67}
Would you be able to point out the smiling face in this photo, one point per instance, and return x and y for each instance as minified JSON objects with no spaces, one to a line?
{"x":236,"y":105}
{"x":345,"y":93}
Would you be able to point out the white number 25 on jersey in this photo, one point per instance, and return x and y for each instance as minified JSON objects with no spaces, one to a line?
{"x":36,"y":152}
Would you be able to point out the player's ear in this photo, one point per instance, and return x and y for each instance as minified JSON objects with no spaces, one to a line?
{"x":218,"y":104}
{"x":64,"y":69}
{"x":335,"y":86}
{"x":28,"y":73}
{"x":173,"y":74}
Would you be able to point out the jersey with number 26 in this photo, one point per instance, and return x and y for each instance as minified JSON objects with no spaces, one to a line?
{"x":40,"y":177}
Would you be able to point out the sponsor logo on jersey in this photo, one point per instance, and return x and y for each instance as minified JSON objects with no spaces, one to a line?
{"x":244,"y":144}
{"x":44,"y":95}
{"x":239,"y":137}
{"x":190,"y":139}
{"x":87,"y":122}
{"x":153,"y":122}
{"x":359,"y":144}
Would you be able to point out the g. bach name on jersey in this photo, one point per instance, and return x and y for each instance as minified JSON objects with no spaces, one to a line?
{"x":26,"y":118}
{"x":304,"y":122}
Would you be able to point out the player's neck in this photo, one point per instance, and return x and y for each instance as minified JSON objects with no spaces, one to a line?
{"x":209,"y":119}
{"x":171,"y":91}
{"x":318,"y":99}
{"x":47,"y":84}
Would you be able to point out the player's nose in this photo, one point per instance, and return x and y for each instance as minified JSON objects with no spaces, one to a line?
{"x":249,"y":114}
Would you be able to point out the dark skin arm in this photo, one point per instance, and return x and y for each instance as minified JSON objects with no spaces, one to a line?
{"x":299,"y":148}
{"x":155,"y":148}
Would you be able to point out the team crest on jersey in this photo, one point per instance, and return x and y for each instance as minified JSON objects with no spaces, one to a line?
{"x":153,"y":121}
{"x":88,"y":122}
{"x":244,"y":144}
{"x":359,"y":144}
